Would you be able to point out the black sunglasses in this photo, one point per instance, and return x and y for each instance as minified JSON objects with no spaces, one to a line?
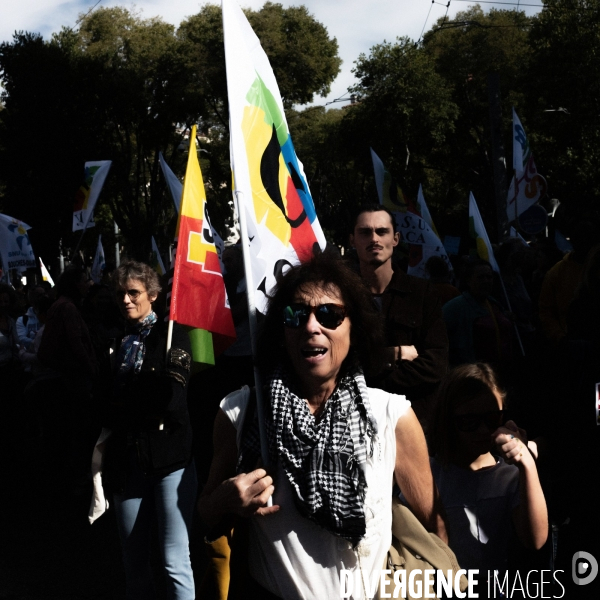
{"x":330,"y":316}
{"x":470,"y":422}
{"x":133,"y":294}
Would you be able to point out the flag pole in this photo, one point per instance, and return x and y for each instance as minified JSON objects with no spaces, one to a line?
{"x":74,"y":254}
{"x":264,"y":447}
{"x":510,"y":310}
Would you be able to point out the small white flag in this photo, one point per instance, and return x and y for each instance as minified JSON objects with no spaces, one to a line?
{"x":99,"y":262}
{"x":45,"y":274}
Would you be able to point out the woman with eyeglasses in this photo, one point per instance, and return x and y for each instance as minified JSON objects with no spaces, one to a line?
{"x":485,"y":472}
{"x":148,"y":462}
{"x":334,"y":446}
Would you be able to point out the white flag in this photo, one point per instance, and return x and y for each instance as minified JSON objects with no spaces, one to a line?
{"x":479,"y":234}
{"x":99,"y":262}
{"x":45,"y":274}
{"x":87,"y":195}
{"x":15,"y":247}
{"x":521,"y":149}
{"x":175,"y":186}
{"x":424,"y":210}
{"x":283,"y":228}
{"x":525,"y":191}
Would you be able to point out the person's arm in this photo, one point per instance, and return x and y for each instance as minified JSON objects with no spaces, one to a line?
{"x":413,"y":474}
{"x":22,"y":338}
{"x":226,"y":493}
{"x":425,"y":362}
{"x":531,"y":516}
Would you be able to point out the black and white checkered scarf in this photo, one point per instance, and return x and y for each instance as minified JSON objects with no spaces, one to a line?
{"x":323,"y":459}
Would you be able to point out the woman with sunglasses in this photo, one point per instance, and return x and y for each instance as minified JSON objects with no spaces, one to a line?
{"x":485,"y":473}
{"x":334,"y":445}
{"x":148,"y":458}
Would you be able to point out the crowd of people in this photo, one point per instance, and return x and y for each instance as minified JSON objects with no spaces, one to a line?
{"x":468,"y":395}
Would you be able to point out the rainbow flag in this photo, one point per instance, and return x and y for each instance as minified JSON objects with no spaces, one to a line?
{"x":269,"y":180}
{"x":198,"y":296}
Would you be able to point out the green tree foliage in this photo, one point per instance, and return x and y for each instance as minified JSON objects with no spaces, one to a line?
{"x":563,"y":98}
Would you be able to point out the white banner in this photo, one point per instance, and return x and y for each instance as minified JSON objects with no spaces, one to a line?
{"x":15,"y":247}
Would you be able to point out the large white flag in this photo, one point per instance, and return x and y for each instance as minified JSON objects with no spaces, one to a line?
{"x":15,"y":247}
{"x":87,"y":195}
{"x":527,"y":186}
{"x":479,"y":234}
{"x":175,"y":186}
{"x":269,"y":180}
{"x":99,"y":262}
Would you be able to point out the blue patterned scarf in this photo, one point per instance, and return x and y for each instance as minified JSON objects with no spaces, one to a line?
{"x":132,"y":350}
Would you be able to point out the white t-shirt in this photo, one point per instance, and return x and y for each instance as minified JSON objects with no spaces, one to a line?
{"x":296,"y":559}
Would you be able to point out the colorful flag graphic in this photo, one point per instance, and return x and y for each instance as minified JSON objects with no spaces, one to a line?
{"x":198,"y":296}
{"x":272,"y":190}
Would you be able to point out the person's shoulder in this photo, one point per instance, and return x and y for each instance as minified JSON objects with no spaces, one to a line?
{"x":382,"y":402}
{"x":454,"y":305}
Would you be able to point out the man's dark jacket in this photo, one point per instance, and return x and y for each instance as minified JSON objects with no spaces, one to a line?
{"x":413,"y":317}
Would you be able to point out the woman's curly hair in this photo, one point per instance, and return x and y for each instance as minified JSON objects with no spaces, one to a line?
{"x":333,"y":276}
{"x":132,"y":269}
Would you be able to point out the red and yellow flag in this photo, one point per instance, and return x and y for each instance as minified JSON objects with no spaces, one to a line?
{"x":198,"y":296}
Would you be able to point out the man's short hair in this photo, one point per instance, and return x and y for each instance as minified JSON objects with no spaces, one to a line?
{"x":372,"y":207}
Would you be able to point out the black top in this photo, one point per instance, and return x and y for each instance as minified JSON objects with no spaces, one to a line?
{"x":154,"y":396}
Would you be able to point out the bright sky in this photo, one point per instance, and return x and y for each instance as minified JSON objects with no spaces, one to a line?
{"x":357,"y":24}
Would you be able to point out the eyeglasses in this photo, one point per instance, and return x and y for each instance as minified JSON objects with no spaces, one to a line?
{"x":330,"y":316}
{"x":133,"y":294}
{"x":470,"y":422}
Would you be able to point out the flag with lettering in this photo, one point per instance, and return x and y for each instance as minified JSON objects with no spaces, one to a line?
{"x":15,"y":247}
{"x":198,"y":296}
{"x":283,"y":228}
{"x":87,"y":195}
{"x":479,"y":234}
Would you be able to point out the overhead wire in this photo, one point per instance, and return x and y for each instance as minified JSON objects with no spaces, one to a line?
{"x":87,"y":13}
